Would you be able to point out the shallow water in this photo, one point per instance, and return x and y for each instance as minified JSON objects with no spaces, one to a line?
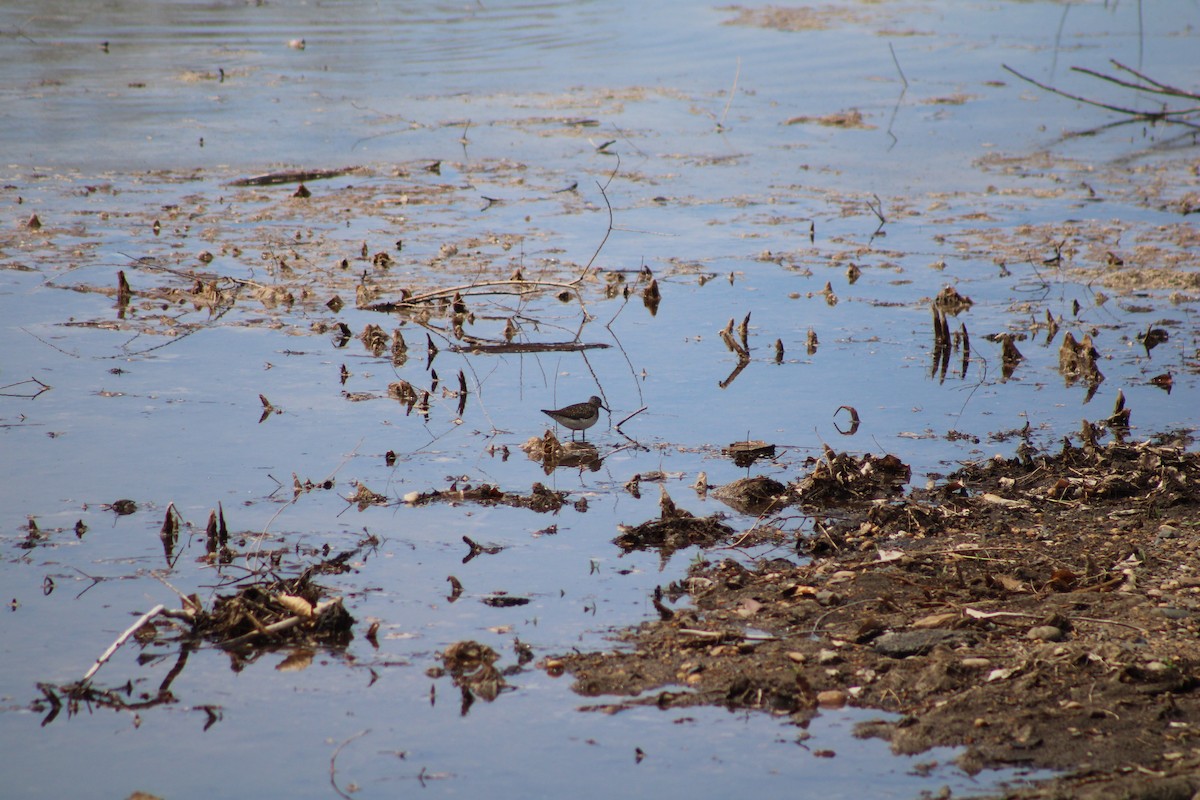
{"x":709,"y":188}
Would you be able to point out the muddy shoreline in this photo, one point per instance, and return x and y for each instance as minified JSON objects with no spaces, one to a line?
{"x":1039,"y":612}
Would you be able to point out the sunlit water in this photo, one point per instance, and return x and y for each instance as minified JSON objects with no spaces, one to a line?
{"x":116,"y":113}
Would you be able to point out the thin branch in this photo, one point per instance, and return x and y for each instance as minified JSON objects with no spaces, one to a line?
{"x":608,"y":232}
{"x":896,"y":61}
{"x":112,"y":648}
{"x":732,"y":91}
{"x":1138,"y":87}
{"x":45,"y":387}
{"x":977,"y":614}
{"x":468,"y":289}
{"x":333,"y":763}
{"x":1156,"y":115}
{"x":1166,"y":88}
{"x":631,"y":416}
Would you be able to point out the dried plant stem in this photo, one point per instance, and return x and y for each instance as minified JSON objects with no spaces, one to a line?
{"x":732,"y":91}
{"x":112,"y":648}
{"x":333,"y":762}
{"x":1165,"y":114}
{"x":282,"y":625}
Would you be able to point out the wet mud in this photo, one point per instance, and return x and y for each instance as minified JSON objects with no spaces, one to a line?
{"x":1038,"y":611}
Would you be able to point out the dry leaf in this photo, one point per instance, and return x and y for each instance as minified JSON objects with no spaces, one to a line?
{"x":297,"y":605}
{"x":1003,"y":502}
{"x":943,"y":620}
{"x":1011,"y":584}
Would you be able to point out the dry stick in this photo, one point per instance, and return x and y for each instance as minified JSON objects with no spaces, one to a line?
{"x":45,"y":387}
{"x":112,"y":648}
{"x":1160,"y":115}
{"x":716,"y":635}
{"x":188,"y":603}
{"x":977,"y":614}
{"x":609,"y":230}
{"x":333,"y":762}
{"x":628,"y":362}
{"x":587,"y":267}
{"x":631,"y":416}
{"x":746,"y":534}
{"x":732,"y":91}
{"x":1167,"y":90}
{"x":468,"y":288}
{"x":896,"y":61}
{"x":817,"y":624}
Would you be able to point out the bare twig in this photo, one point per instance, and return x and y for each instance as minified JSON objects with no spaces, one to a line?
{"x":1136,"y":86}
{"x":112,"y":648}
{"x":977,"y":614}
{"x":631,"y":416}
{"x":1165,"y":114}
{"x":587,"y":267}
{"x":718,"y":635}
{"x":468,"y":289}
{"x":896,"y":61}
{"x":732,"y":91}
{"x":1162,"y":87}
{"x":333,"y":762}
{"x":44,"y":386}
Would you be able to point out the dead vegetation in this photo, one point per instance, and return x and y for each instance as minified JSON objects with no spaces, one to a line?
{"x":1037,"y":611}
{"x":265,"y":613}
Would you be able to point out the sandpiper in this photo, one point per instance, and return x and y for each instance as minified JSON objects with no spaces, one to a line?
{"x":579,"y":416}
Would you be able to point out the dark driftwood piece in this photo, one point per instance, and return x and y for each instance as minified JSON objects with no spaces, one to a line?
{"x":291,"y":176}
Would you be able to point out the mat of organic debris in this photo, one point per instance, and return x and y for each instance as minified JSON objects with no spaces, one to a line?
{"x":1039,"y":611}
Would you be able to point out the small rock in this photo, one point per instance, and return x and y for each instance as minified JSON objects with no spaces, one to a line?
{"x":831,"y":698}
{"x":1168,"y":532}
{"x":976,"y":663}
{"x":828,"y":598}
{"x":828,"y":657}
{"x":1045,"y":633}
{"x":902,"y":644}
{"x":1170,"y":612}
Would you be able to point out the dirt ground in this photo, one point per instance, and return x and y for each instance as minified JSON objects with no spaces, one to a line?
{"x":1038,"y":612}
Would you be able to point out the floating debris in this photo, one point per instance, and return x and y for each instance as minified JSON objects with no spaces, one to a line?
{"x":674,"y":529}
{"x":539,"y":499}
{"x":746,"y":453}
{"x":840,"y":478}
{"x":949,"y":301}
{"x":756,"y":495}
{"x":472,"y":667}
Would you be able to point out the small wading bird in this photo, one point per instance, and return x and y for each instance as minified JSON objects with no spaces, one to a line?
{"x":579,"y":416}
